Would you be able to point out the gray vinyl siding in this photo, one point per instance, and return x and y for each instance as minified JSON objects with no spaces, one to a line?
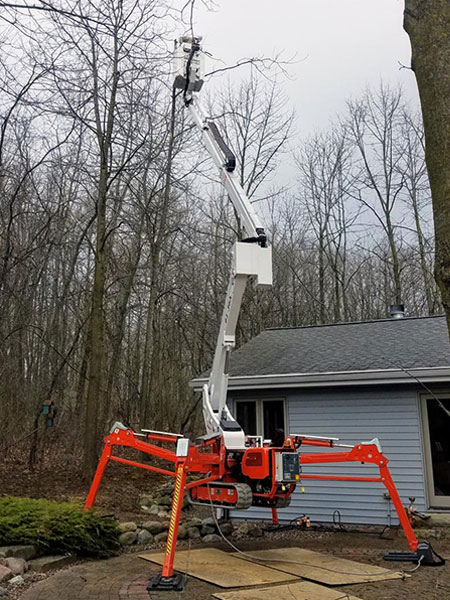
{"x":356,"y":415}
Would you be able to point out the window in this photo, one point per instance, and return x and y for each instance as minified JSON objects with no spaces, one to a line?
{"x":266,"y":417}
{"x":436,"y":428}
{"x":273,"y":418}
{"x":246,"y":416}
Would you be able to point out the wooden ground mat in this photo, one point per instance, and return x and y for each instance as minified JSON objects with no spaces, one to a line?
{"x":302,"y":590}
{"x":324,"y":568}
{"x":222,"y":568}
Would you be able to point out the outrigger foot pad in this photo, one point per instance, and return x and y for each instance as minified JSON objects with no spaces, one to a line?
{"x":425,"y":555}
{"x":176,"y":583}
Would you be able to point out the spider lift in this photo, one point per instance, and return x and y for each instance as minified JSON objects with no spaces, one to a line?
{"x":233,"y":470}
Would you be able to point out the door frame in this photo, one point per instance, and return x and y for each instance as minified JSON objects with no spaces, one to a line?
{"x":438,"y":502}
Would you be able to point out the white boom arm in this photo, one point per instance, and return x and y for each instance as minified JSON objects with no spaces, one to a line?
{"x":251,"y":256}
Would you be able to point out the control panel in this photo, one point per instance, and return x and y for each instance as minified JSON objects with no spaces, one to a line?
{"x":287,"y":467}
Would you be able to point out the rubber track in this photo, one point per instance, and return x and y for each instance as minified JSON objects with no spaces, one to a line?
{"x":244,"y":496}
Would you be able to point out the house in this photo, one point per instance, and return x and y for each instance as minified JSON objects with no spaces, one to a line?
{"x":387,"y":378}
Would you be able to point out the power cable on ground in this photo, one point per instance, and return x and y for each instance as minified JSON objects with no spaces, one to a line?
{"x":294,"y":562}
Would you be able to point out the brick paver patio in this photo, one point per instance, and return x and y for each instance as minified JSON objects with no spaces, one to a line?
{"x":125,"y":577}
{"x":121,"y":578}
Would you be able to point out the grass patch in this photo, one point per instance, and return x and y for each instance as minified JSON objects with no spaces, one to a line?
{"x":57,"y":527}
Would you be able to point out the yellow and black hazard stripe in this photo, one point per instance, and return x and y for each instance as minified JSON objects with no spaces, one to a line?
{"x":176,"y":500}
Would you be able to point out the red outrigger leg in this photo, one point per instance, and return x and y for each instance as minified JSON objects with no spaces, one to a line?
{"x":104,"y":459}
{"x":127,"y":437}
{"x":364,"y":453}
{"x":209,"y":462}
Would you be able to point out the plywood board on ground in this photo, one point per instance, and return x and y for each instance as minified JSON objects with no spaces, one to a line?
{"x":324,"y":568}
{"x":302,"y":590}
{"x":222,"y":568}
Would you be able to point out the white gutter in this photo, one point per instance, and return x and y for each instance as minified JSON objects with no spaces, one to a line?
{"x":335,"y":378}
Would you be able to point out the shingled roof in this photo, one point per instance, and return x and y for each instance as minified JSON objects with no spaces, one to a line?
{"x":381,"y":351}
{"x":384,"y":344}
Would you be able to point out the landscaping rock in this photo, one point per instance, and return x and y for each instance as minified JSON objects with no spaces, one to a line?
{"x":144,"y":537}
{"x":146,"y":500}
{"x":207,"y":530}
{"x":128,"y":538}
{"x":226,"y":528}
{"x":128,"y":526}
{"x":163,"y":514}
{"x":2,"y":555}
{"x":154,"y":509}
{"x":212,"y":538}
{"x":155,"y":527}
{"x":255,"y":530}
{"x":18,"y":566}
{"x":210,"y":521}
{"x":161,"y":537}
{"x":435,"y":520}
{"x":26,"y":552}
{"x":194,"y":522}
{"x":17,"y":580}
{"x":182,"y":532}
{"x":47,"y":563}
{"x":248,"y":528}
{"x":193,"y":533}
{"x":5,"y":573}
{"x":164,"y":501}
{"x":242,"y":529}
{"x":166,"y":489}
{"x":3,"y":592}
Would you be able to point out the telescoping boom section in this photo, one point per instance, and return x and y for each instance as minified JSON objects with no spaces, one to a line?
{"x":233,"y":470}
{"x":251,"y":255}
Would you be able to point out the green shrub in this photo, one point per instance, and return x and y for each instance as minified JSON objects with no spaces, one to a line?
{"x":55,"y":527}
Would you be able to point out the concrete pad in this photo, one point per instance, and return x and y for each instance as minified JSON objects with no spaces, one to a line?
{"x":221,"y":568}
{"x":324,"y":568}
{"x":302,"y":590}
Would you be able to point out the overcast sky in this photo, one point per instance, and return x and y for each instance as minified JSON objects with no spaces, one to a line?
{"x":341,"y":47}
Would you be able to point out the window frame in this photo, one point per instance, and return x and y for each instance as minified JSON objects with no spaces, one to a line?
{"x":260,"y":410}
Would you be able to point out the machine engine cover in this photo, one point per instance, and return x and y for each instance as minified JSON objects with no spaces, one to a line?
{"x":287,"y":467}
{"x":255,"y":463}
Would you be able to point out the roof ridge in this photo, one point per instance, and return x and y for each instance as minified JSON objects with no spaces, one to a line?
{"x":386,"y":319}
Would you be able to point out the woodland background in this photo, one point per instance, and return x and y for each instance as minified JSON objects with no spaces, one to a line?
{"x":115,"y":233}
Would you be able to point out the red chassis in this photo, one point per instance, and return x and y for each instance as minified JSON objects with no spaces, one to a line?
{"x":210,"y":459}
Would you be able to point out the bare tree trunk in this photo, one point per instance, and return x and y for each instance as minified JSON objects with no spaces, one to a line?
{"x":422,"y":254}
{"x":155,"y":274}
{"x":322,"y":308}
{"x":395,"y":260}
{"x":427,"y":24}
{"x":96,"y":338}
{"x":95,"y":389}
